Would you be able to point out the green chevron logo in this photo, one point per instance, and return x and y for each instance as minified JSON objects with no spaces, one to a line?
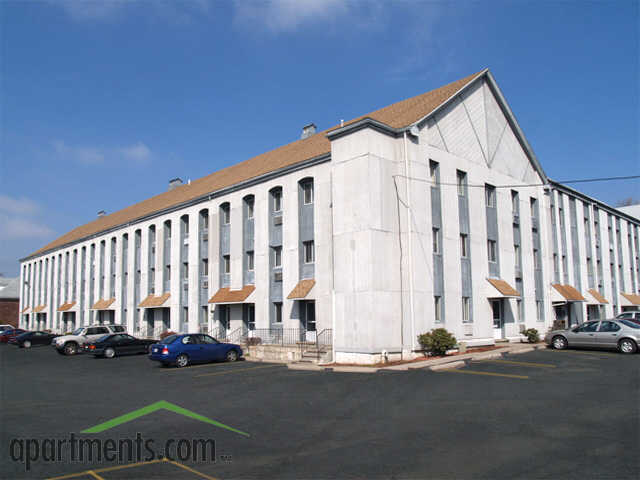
{"x":161,"y":405}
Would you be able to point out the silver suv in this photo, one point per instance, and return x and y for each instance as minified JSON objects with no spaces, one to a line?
{"x":71,"y":344}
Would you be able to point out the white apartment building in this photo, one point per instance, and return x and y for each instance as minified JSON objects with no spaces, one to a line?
{"x":430,"y":212}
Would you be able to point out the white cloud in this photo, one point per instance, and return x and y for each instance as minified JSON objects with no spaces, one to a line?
{"x":289,"y":15}
{"x":17,"y":227}
{"x":18,"y":219}
{"x":177,"y":12}
{"x":79,"y":154}
{"x":137,"y":152}
{"x":18,"y":206}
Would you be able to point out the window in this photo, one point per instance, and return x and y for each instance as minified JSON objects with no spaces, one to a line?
{"x":277,"y":200}
{"x":185,"y":270}
{"x":490,"y":195}
{"x":464,"y":245}
{"x":587,"y":327}
{"x":278,"y":312}
{"x":491,"y":250}
{"x":250,"y":260}
{"x":226,"y":214}
{"x":437,"y":304}
{"x":436,"y":240}
{"x":277,"y":256}
{"x":433,"y":172}
{"x":556,"y":266}
{"x":205,"y":266}
{"x":519,"y":310}
{"x":534,"y":208}
{"x":226,"y":260}
{"x":609,"y":327}
{"x":250,"y":202}
{"x":309,"y":252}
{"x":516,"y":249}
{"x":539,"y":311}
{"x":515,"y":205}
{"x":536,"y":259}
{"x":466,"y":311}
{"x":307,"y":189}
{"x":461,"y":179}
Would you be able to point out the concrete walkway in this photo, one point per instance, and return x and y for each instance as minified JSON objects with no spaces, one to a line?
{"x":453,"y":361}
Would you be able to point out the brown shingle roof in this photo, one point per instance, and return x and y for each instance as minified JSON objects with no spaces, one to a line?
{"x":25,"y":310}
{"x":39,"y":308}
{"x":103,"y":304}
{"x":397,"y":115}
{"x":226,"y":295}
{"x":154,"y":302}
{"x":632,"y":297}
{"x":302,"y":289}
{"x":569,"y":292}
{"x":503,"y":287}
{"x":596,"y":294}
{"x":66,"y":306}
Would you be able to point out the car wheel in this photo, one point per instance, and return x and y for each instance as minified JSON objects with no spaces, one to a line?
{"x":70,"y":349}
{"x":232,"y":356}
{"x":182,"y":361}
{"x":109,"y":352}
{"x":626,"y":345}
{"x":26,"y":344}
{"x":559,"y":342}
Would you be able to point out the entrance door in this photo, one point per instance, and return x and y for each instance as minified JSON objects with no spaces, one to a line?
{"x":496,"y":307}
{"x":249,"y":316}
{"x":593,"y":312}
{"x":309,"y":320}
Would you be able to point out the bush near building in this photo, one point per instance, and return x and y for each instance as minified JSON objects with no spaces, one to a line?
{"x":532,"y":335}
{"x":437,"y":341}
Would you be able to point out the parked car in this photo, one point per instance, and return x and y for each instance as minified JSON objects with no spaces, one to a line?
{"x":623,"y":335}
{"x":118,"y":344}
{"x":7,"y":335}
{"x":72,"y":344}
{"x":28,"y":339}
{"x":633,"y":316}
{"x":6,"y":327}
{"x":181,"y":350}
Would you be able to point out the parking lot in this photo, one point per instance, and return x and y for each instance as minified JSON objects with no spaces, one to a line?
{"x":542,"y":414}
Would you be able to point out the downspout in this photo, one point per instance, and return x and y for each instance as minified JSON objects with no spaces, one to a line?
{"x":409,"y":242}
{"x":333,"y":275}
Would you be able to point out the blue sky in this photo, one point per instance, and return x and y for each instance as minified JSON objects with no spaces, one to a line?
{"x":103,"y":102}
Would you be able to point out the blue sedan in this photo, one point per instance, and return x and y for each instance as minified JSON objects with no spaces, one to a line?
{"x":188,"y":348}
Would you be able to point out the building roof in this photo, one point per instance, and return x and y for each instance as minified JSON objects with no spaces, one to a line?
{"x":226,"y":295}
{"x":302,"y":289}
{"x":503,"y":287}
{"x":398,"y":115}
{"x":596,"y":294}
{"x":9,"y":288}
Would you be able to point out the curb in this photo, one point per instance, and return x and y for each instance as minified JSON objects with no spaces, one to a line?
{"x":448,"y":366}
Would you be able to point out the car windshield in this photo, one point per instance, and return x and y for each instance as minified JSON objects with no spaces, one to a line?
{"x":77,"y":331}
{"x":630,"y":324}
{"x":169,"y":339}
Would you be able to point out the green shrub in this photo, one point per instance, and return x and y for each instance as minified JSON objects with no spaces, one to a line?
{"x":532,"y":335}
{"x":437,"y":341}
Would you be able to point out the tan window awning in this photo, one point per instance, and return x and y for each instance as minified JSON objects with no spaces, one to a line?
{"x":65,"y":307}
{"x":25,"y":310}
{"x":39,"y":308}
{"x":226,"y":295}
{"x":502,"y":289}
{"x":155,"y":302}
{"x":103,"y":304}
{"x":629,"y":299}
{"x":594,"y":297}
{"x":567,"y":293}
{"x":302,"y":289}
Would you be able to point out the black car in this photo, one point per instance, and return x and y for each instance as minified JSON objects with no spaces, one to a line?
{"x":118,"y":344}
{"x":29,"y":339}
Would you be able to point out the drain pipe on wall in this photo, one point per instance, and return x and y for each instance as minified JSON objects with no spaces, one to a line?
{"x":409,"y":241}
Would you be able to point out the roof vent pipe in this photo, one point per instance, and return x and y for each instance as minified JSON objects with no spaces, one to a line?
{"x":101,"y":213}
{"x":174,"y":182}
{"x":308,"y":130}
